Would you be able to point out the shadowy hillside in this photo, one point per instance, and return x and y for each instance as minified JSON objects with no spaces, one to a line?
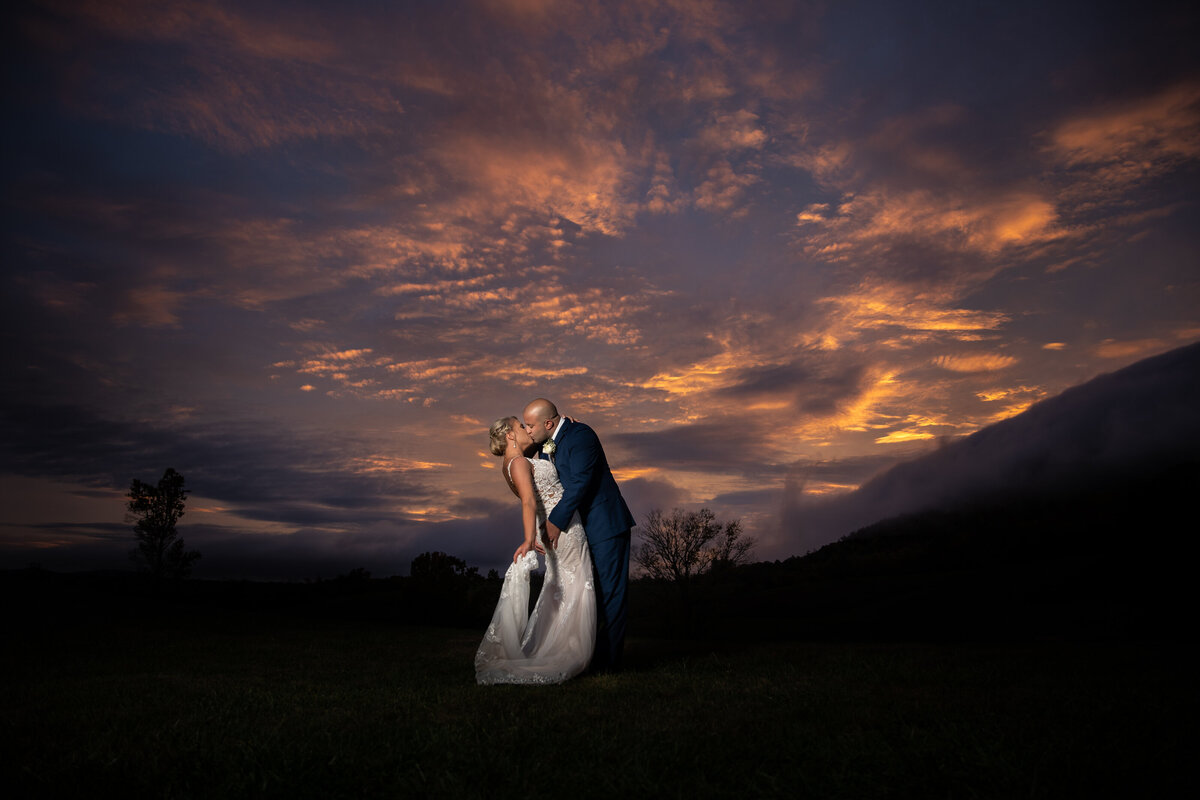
{"x":1141,"y":417}
{"x":1096,"y":559}
{"x":1073,"y":519}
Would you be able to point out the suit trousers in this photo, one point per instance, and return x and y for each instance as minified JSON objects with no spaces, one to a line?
{"x":610,"y":560}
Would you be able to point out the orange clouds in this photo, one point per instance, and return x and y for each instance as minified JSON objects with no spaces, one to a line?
{"x":980,"y":362}
{"x":1012,"y":400}
{"x":1103,"y":154}
{"x":594,"y":313}
{"x":1111,"y":348}
{"x":874,"y":219}
{"x":701,"y":377}
{"x":663,"y":196}
{"x":722,"y":188}
{"x":486,"y":308}
{"x":863,"y":411}
{"x":1146,"y":134}
{"x":1004,"y":393}
{"x":586,"y":186}
{"x":903,"y":183}
{"x":878,"y":305}
{"x":739,"y":130}
{"x":380,"y":462}
{"x":903,"y":437}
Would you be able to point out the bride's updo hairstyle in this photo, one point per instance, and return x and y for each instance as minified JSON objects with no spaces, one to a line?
{"x":500,"y":429}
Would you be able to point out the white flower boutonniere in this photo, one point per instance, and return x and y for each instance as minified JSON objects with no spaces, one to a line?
{"x":549,"y":447}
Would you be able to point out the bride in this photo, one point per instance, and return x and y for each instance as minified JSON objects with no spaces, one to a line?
{"x":555,"y":642}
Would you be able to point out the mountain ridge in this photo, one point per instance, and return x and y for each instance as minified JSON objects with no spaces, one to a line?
{"x":1140,"y":417}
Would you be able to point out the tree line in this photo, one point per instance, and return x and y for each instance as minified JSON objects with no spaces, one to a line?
{"x":675,"y":546}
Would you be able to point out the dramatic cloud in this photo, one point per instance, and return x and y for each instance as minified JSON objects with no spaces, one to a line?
{"x":306,"y":256}
{"x":1140,"y":417}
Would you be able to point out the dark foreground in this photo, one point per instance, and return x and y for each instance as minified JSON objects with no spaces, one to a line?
{"x":222,"y":703}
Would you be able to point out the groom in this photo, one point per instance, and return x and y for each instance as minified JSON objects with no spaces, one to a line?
{"x":589,"y":488}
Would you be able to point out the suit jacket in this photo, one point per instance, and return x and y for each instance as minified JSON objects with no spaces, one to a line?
{"x":588,"y":485}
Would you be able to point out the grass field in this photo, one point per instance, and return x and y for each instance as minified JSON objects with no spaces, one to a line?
{"x":224,"y":704}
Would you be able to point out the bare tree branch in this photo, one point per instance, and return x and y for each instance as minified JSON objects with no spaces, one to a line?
{"x":682,"y":544}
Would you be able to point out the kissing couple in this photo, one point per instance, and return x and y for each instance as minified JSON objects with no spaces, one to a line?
{"x":574,"y":515}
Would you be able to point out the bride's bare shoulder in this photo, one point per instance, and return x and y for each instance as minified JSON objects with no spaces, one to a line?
{"x":520,"y":463}
{"x":516,"y":471}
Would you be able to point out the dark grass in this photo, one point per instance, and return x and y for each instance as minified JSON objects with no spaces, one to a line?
{"x":218,"y":703}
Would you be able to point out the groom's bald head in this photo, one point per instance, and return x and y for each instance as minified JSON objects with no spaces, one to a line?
{"x":537,"y":414}
{"x":540,"y":409}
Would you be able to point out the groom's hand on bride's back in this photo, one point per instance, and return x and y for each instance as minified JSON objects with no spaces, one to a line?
{"x":552,"y":533}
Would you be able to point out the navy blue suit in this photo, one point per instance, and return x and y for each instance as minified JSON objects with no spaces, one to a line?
{"x":590,"y":489}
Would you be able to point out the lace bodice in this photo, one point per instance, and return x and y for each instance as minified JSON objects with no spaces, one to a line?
{"x":549,"y":489}
{"x":546,"y":487}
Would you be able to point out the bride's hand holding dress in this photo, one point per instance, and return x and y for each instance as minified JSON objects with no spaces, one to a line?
{"x":556,"y":641}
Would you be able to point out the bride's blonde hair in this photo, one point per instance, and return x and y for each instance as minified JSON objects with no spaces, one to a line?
{"x":500,"y":429}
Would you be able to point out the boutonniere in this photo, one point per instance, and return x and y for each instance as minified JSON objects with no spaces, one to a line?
{"x":549,"y":447}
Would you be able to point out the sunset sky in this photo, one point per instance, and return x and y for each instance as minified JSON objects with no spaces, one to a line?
{"x":305,"y":253}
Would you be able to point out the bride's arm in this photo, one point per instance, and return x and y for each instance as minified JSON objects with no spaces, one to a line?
{"x":522,"y":478}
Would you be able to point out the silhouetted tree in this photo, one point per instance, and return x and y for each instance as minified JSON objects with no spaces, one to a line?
{"x":156,"y":509}
{"x":447,"y":591}
{"x":682,"y":544}
{"x":731,"y":548}
{"x":436,"y":565}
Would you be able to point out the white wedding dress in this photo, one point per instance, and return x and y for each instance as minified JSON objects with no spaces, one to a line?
{"x":555,"y":642}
